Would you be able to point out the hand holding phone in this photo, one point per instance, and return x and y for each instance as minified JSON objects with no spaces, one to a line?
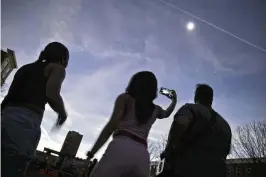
{"x":171,"y":94}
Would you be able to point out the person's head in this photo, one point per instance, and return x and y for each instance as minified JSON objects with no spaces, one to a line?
{"x":54,"y":52}
{"x":203,"y":94}
{"x":143,"y":87}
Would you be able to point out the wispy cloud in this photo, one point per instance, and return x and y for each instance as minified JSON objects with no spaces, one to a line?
{"x":109,"y":41}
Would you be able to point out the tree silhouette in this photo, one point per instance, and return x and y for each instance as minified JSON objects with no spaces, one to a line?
{"x":157,"y":147}
{"x":249,"y":141}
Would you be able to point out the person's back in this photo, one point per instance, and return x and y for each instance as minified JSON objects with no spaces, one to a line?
{"x":207,"y":153}
{"x":130,"y":122}
{"x":28,"y":87}
{"x":199,"y":140}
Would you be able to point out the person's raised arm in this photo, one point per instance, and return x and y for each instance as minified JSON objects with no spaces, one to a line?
{"x":53,"y":87}
{"x":166,"y":113}
{"x":109,"y":128}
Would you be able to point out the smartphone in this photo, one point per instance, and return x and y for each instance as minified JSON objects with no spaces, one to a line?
{"x":166,"y":91}
{"x":160,"y":167}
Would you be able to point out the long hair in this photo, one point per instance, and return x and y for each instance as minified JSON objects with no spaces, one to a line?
{"x":53,"y":52}
{"x":143,"y":88}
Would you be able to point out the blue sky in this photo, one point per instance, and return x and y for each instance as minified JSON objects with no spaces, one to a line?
{"x":109,"y":40}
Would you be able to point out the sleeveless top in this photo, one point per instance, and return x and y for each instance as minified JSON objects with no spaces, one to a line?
{"x":129,"y":122}
{"x":28,"y":87}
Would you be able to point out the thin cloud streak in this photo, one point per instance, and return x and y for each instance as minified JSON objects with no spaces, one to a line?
{"x":112,"y":41}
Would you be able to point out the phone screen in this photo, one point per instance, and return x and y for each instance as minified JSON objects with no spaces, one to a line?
{"x":166,"y":91}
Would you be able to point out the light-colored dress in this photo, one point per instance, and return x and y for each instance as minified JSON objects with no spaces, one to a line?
{"x":125,"y":157}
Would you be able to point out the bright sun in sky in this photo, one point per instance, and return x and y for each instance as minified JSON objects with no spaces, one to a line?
{"x":190,"y":26}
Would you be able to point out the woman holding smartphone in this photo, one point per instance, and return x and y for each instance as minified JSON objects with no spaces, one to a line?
{"x":133,"y":116}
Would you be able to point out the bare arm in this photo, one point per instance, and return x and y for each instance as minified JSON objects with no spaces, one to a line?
{"x":161,"y":113}
{"x":111,"y":125}
{"x":166,"y":113}
{"x":53,"y":87}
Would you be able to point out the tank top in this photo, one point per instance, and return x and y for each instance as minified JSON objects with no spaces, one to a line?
{"x":130,"y":123}
{"x":28,"y":87}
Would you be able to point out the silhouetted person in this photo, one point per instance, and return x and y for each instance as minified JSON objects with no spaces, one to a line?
{"x":199,"y":139}
{"x":133,"y":116}
{"x":33,"y":86}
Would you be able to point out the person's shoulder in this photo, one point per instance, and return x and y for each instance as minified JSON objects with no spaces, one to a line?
{"x":187,"y":106}
{"x":199,"y":108}
{"x":196,"y":110}
{"x":27,"y":65}
{"x":196,"y":106}
{"x":124,"y":97}
{"x":222,"y":120}
{"x":24,"y":69}
{"x":55,"y":66}
{"x":219,"y":116}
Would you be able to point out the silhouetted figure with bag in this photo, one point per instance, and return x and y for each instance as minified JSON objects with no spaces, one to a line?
{"x":199,"y":140}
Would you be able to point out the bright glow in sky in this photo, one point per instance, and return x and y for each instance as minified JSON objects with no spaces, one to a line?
{"x":190,"y":26}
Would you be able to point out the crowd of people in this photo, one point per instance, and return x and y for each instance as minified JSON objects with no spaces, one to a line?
{"x":198,"y":142}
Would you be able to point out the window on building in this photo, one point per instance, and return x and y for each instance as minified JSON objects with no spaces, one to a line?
{"x":229,"y":172}
{"x":248,"y":172}
{"x":238,"y":172}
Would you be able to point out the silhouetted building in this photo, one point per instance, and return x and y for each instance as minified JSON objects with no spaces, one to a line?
{"x":245,"y":167}
{"x":71,"y":144}
{"x":54,"y":163}
{"x":69,"y":148}
{"x":8,"y":63}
